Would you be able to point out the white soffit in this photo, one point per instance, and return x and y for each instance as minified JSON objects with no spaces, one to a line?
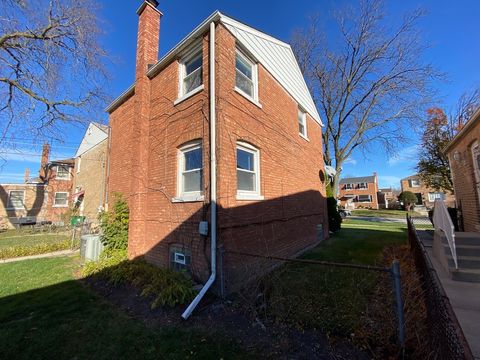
{"x":278,"y":58}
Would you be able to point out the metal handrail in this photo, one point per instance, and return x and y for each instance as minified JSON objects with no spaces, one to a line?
{"x":443,"y":221}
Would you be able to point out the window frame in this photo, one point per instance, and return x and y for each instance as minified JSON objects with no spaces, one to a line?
{"x":361,"y":187}
{"x":55,"y":199}
{"x":413,"y":185}
{"x":303,"y":115}
{"x":254,"y":66}
{"x":193,"y":53}
{"x":247,"y":194}
{"x":187,"y":196}
{"x":67,"y":167}
{"x":370,"y":198}
{"x":173,"y":252}
{"x":10,"y":206}
{"x":349,"y":186}
{"x":432,"y":196}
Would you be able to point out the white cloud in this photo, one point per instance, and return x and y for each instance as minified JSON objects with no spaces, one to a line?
{"x":350,"y":161}
{"x":386,"y":181}
{"x":408,"y":154}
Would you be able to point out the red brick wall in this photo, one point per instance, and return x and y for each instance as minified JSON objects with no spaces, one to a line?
{"x":282,"y":224}
{"x":51,"y":212}
{"x":466,"y":195}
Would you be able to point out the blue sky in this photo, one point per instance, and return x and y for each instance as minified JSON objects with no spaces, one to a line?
{"x":450,"y":28}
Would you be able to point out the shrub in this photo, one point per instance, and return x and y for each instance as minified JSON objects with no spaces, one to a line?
{"x":17,"y":251}
{"x":334,"y":218}
{"x":114,"y":225}
{"x":408,"y":198}
{"x":165,"y":287}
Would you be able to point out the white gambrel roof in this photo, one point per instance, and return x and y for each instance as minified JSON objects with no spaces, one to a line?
{"x":278,"y":58}
{"x":95,"y":134}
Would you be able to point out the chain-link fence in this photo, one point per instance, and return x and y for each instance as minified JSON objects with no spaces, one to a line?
{"x":422,"y":222}
{"x":446,"y":338}
{"x":361,"y":302}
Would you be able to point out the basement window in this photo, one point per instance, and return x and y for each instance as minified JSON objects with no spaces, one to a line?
{"x":180,"y":258}
{"x":191,"y":73}
{"x":246,"y":77}
{"x":16,"y":199}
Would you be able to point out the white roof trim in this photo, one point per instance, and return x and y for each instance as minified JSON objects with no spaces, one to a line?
{"x":120,"y":99}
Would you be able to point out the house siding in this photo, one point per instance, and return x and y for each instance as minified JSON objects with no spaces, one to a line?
{"x":464,"y":178}
{"x":284,"y":224}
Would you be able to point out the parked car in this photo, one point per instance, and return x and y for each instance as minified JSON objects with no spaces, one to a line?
{"x":344,"y":213}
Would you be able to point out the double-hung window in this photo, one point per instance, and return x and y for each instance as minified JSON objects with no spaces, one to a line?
{"x":246,"y":76}
{"x":363,"y":185}
{"x":248,"y":172}
{"x":63,"y":172}
{"x":16,"y":199}
{"x":191,"y":73}
{"x":60,"y":199}
{"x":348,"y":186}
{"x":190,"y":174}
{"x":302,"y":123}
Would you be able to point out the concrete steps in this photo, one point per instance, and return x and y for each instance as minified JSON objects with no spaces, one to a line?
{"x":468,"y":255}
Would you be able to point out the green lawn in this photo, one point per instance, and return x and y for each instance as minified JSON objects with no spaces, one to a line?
{"x":46,"y":314}
{"x":384,"y":213}
{"x":328,"y":298}
{"x":13,"y":239}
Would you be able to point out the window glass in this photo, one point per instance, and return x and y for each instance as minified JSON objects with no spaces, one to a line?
{"x":245,"y":160}
{"x":16,"y":199}
{"x":180,"y":258}
{"x":247,"y":170}
{"x":62,"y":172}
{"x":191,"y":169}
{"x":244,"y":75}
{"x":192,"y":73}
{"x":302,"y":126}
{"x":61,"y":198}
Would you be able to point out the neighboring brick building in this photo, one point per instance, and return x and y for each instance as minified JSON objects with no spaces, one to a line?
{"x":45,"y":198}
{"x":90,"y":172}
{"x":425,"y":196}
{"x":387,"y":198}
{"x":270,"y":199}
{"x":359,"y":192}
{"x":464,"y":158}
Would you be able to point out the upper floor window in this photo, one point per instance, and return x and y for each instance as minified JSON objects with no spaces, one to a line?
{"x":60,"y":199}
{"x":302,"y":123}
{"x":414,"y":183}
{"x":348,"y":186}
{"x":246,"y":76}
{"x":248,"y":172}
{"x":364,"y":198}
{"x":63,"y":172}
{"x":191,"y":72}
{"x":16,"y":199}
{"x":363,"y":185}
{"x":190,"y":165}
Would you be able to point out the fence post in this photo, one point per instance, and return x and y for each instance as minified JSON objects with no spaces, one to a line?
{"x":222,"y":275}
{"x":397,"y":286}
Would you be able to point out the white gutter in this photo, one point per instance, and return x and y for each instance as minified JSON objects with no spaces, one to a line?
{"x":213,"y":179}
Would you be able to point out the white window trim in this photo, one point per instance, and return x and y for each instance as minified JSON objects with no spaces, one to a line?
{"x":254,"y":98}
{"x":412,"y":185}
{"x":370,"y":199}
{"x":179,"y":258}
{"x":362,"y":188}
{"x":55,"y":197}
{"x":62,"y":178}
{"x":188,"y":196}
{"x":349,"y":186}
{"x":432,"y":196}
{"x":244,"y":194}
{"x":13,"y":207}
{"x":192,"y":53}
{"x":304,"y":121}
{"x":79,"y":162}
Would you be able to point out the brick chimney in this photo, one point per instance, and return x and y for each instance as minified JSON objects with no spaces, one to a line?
{"x":42,"y":173}
{"x":147,"y":54}
{"x":27,"y":175}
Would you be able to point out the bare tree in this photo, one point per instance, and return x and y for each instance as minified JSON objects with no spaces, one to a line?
{"x":51,"y":66}
{"x":368,"y":80}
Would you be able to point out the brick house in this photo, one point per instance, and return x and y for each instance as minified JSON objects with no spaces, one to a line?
{"x":90,"y":172}
{"x":359,"y":192}
{"x":425,"y":196}
{"x":388,"y":198}
{"x":231,"y":101}
{"x":44,"y":198}
{"x":464,"y":158}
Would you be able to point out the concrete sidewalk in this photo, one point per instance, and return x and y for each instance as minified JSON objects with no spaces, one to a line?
{"x":40,"y":256}
{"x":465,"y":300}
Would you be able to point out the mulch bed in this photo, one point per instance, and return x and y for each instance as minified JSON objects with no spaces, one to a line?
{"x":267,"y":340}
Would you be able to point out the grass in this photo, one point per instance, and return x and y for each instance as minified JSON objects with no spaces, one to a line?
{"x":46,"y":313}
{"x":384,"y":213}
{"x":14,"y":243}
{"x":329,"y":298}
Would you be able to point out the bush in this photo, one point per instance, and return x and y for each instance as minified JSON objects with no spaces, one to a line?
{"x":165,"y":287}
{"x":408,"y":198}
{"x":17,"y":251}
{"x":334,"y":218}
{"x":114,"y":225}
